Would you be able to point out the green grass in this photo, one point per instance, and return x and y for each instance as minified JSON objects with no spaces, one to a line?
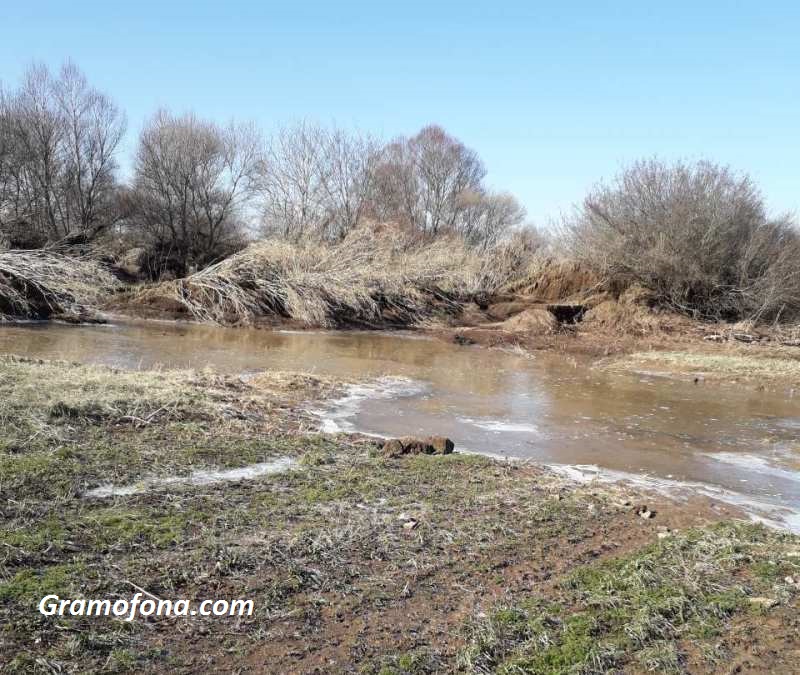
{"x":29,"y":585}
{"x":640,"y":609}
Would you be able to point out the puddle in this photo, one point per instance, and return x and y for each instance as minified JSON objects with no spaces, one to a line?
{"x":206,"y":477}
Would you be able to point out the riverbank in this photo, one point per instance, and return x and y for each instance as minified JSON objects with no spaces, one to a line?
{"x":198,"y":485}
{"x":760,"y":359}
{"x":382,"y":280}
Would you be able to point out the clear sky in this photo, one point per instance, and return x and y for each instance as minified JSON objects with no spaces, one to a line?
{"x":553,"y":96}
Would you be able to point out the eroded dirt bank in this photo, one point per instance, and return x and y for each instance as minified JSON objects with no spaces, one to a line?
{"x":356,"y":562}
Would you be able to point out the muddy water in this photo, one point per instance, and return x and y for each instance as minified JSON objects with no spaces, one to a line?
{"x":730,"y":443}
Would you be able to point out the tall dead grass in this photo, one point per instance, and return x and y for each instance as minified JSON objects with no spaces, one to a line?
{"x":42,"y":284}
{"x":375,"y":276}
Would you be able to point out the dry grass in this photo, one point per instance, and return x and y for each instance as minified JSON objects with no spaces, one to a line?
{"x":367,"y":279}
{"x":713,"y":365}
{"x":551,"y":279}
{"x":98,"y":395}
{"x":41,"y":284}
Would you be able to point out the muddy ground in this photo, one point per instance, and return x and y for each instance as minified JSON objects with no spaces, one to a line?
{"x":356,"y":563}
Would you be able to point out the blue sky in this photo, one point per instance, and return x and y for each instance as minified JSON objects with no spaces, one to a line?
{"x":553,"y":96}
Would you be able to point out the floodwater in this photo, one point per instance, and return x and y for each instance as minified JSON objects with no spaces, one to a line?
{"x":733,"y":444}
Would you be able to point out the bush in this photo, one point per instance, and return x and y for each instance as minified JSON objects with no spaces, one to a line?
{"x":697,"y":235}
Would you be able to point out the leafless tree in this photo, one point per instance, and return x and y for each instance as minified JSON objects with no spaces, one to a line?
{"x":315,"y":181}
{"x":93,"y":128}
{"x":58,"y":138}
{"x":37,"y":131}
{"x":193,"y":181}
{"x":422,"y":181}
{"x":346,"y":172}
{"x":485,"y":217}
{"x":291,"y":185}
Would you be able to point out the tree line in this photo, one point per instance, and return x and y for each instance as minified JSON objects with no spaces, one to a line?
{"x":698,"y":235}
{"x":199,"y":189}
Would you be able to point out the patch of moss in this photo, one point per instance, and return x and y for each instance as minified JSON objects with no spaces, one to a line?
{"x":118,"y":526}
{"x":31,"y":585}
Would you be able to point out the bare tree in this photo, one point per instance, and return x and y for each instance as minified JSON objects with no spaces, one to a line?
{"x":291,"y":185}
{"x":58,"y":138}
{"x":193,"y":181}
{"x":37,"y":131}
{"x":346,"y":172}
{"x":316,"y":181}
{"x":422,"y":181}
{"x":485,"y":217}
{"x":93,"y":127}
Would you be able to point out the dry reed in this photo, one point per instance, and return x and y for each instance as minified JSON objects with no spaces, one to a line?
{"x":42,"y":284}
{"x":369,"y":278}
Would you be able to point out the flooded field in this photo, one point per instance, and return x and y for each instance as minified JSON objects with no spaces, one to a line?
{"x":733,"y":444}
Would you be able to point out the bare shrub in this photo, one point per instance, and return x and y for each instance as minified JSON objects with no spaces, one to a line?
{"x":697,"y":235}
